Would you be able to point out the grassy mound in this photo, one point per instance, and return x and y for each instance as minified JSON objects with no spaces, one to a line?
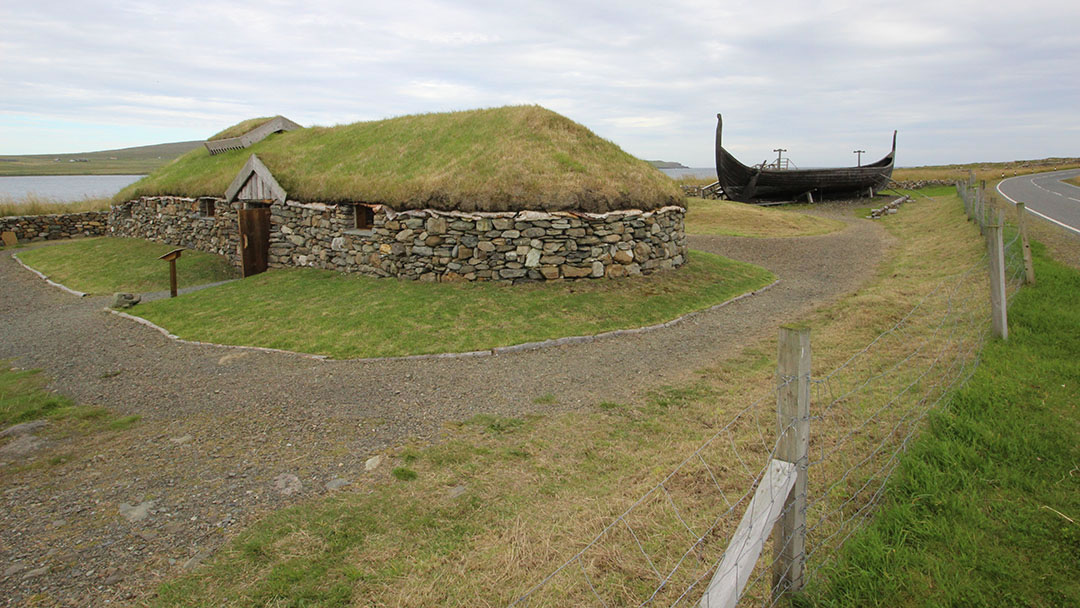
{"x":510,"y":158}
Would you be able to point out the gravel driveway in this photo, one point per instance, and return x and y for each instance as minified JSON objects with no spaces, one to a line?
{"x":227,"y":435}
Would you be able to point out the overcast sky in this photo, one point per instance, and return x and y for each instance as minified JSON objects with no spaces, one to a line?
{"x":961,"y":81}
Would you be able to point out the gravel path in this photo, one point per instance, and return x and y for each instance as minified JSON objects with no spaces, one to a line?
{"x":227,"y":435}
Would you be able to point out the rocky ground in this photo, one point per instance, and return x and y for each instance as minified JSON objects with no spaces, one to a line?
{"x":227,"y":435}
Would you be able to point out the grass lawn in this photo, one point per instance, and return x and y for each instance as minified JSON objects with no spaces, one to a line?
{"x":497,"y":504}
{"x":985,"y":508}
{"x":23,"y":398}
{"x":108,"y":265}
{"x":346,"y":316}
{"x":739,"y":219}
{"x":1074,"y":181}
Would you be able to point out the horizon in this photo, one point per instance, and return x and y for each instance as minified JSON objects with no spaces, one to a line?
{"x":960,"y":86}
{"x":685,"y":165}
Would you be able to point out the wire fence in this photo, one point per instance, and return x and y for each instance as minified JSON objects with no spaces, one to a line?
{"x":692,"y":532}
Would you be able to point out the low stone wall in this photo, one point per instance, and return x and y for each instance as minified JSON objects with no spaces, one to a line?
{"x":426,"y":245}
{"x":55,"y":226}
{"x":180,"y":221}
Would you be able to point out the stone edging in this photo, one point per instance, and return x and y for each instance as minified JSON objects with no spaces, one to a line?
{"x":498,"y":350}
{"x":166,"y":333}
{"x":80,"y":294}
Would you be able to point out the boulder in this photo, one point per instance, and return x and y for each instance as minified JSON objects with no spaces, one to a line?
{"x":123,"y":301}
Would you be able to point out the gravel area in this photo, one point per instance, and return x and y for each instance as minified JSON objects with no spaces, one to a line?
{"x":228,"y":435}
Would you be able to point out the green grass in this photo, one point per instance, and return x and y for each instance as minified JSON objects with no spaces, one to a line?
{"x":347,"y":316}
{"x":738,"y":219}
{"x":979,"y":511}
{"x":481,"y":160}
{"x":23,"y":398}
{"x":403,"y":474}
{"x":139,"y":160}
{"x":107,"y":265}
{"x":1074,"y":181}
{"x":241,"y":127}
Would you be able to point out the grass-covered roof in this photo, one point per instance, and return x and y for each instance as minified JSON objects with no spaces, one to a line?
{"x":241,"y":127}
{"x":502,"y":159}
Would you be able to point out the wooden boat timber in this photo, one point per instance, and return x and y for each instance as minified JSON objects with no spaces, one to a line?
{"x":743,"y":183}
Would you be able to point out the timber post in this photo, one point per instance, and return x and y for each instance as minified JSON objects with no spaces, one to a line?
{"x":171,"y":258}
{"x":998,"y":300}
{"x":1021,"y":221}
{"x":793,"y":407}
{"x":980,"y":206}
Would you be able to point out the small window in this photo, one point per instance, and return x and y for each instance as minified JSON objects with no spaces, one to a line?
{"x":365,"y":217}
{"x":206,"y":207}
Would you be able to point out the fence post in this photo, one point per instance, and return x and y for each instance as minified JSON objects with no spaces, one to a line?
{"x":980,"y":204}
{"x":793,"y":407}
{"x":998,"y":301}
{"x":1021,"y":222}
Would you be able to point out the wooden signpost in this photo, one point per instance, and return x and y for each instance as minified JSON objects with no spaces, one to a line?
{"x":171,"y":258}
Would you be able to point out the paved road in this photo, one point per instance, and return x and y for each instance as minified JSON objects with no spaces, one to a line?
{"x":1047,"y":196}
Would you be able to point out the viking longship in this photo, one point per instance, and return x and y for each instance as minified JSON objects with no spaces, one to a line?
{"x":761,"y":182}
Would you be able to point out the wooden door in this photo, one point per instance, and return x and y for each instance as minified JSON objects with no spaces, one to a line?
{"x":254,"y":239}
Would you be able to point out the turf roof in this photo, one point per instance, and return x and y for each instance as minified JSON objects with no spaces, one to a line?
{"x":241,"y":127}
{"x":501,"y":159}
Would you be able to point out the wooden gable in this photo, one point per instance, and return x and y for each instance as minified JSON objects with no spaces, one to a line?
{"x":255,"y":183}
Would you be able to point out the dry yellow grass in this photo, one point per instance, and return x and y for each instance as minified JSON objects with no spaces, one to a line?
{"x":739,"y":219}
{"x":34,"y":205}
{"x":538,"y":489}
{"x":991,"y":172}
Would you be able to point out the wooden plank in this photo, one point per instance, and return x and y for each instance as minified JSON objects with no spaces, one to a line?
{"x":254,"y":227}
{"x":749,"y":539}
{"x":255,"y":167}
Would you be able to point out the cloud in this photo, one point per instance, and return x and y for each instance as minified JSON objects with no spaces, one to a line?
{"x":962,"y":81}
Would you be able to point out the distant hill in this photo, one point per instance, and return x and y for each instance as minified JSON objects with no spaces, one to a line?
{"x":666,"y":164}
{"x":139,"y":160}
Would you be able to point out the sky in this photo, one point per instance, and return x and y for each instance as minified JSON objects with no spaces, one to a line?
{"x":961,"y":81}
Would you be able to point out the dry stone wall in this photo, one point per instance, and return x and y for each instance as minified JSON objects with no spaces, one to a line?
{"x":427,"y":245}
{"x":55,"y":226}
{"x":180,"y":221}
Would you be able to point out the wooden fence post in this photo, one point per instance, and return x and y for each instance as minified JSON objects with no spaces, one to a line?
{"x":998,"y":301}
{"x":980,"y":206}
{"x":1021,"y":222}
{"x":793,"y":407}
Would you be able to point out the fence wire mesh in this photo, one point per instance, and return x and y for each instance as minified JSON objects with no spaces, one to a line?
{"x":665,"y":548}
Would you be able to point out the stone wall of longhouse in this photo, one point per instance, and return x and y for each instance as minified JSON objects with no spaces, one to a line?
{"x":425,"y":245}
